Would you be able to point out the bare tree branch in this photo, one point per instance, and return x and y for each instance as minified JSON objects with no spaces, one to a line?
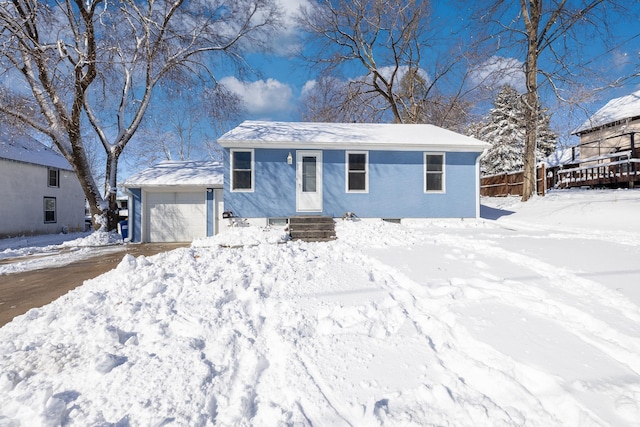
{"x":91,"y":64}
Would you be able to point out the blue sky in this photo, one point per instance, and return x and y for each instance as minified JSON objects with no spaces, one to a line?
{"x":274,"y":93}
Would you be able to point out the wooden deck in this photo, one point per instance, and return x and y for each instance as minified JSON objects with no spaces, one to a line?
{"x":612,"y":170}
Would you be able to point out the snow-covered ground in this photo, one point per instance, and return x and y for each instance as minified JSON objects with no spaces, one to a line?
{"x":530,"y":317}
{"x":20,"y":254}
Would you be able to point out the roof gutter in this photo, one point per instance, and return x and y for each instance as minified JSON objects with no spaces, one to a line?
{"x":289,"y":145}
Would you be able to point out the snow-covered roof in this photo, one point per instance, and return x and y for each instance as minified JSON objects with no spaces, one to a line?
{"x":563,"y":156}
{"x":377,"y":136}
{"x":23,"y":148}
{"x":617,"y":109}
{"x":179,"y":173}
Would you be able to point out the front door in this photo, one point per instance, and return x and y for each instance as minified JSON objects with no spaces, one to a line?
{"x":309,"y":181}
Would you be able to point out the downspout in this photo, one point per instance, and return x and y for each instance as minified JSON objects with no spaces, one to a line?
{"x":478,"y":180}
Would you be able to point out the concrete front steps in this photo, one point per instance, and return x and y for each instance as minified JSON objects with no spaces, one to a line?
{"x":312,"y":228}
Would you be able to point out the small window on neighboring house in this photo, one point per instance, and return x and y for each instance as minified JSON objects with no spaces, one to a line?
{"x":357,"y":171}
{"x":242,"y":174}
{"x":49,"y":209}
{"x":434,"y":173}
{"x":54,"y":177}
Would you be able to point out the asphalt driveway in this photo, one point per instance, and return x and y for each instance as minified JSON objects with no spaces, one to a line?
{"x":20,"y":292}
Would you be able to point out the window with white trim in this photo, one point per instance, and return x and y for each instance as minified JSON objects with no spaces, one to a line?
{"x":242,"y":170}
{"x":49,"y":209}
{"x":53,"y":177}
{"x":357,"y":171}
{"x":434,"y":172}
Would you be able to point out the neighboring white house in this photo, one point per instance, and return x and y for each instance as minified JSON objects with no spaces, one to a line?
{"x":175,"y":201}
{"x":39,"y":190}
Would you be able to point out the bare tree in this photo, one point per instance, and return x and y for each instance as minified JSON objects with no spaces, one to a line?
{"x":184,"y":126}
{"x":330,"y":99}
{"x":552,"y":34}
{"x":423,"y":102}
{"x":385,"y":38}
{"x":91,"y":63}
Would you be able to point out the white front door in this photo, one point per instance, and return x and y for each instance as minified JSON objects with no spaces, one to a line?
{"x":309,"y":181}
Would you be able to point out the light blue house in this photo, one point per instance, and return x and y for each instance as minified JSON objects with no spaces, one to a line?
{"x":276,"y":170}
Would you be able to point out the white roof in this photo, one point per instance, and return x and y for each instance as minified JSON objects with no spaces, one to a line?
{"x":179,"y":173}
{"x":617,"y":109}
{"x":377,"y":136}
{"x":563,"y":156}
{"x":23,"y":148}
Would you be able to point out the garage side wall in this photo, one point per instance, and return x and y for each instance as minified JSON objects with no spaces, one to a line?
{"x":135,"y":215}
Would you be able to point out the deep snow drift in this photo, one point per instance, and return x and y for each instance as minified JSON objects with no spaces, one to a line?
{"x":529,"y":318}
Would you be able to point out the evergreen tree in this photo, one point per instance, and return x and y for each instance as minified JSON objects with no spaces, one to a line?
{"x":505,"y":129}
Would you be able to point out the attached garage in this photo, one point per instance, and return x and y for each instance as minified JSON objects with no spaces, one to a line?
{"x":175,"y":201}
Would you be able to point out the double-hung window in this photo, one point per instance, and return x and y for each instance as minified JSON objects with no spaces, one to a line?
{"x":53,"y":177}
{"x":242,"y":170}
{"x":49,"y":209}
{"x":357,"y":171}
{"x":434,"y":172}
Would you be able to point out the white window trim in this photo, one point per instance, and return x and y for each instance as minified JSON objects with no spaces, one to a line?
{"x":55,"y":210}
{"x":57,"y":171}
{"x":424,"y":172}
{"x":253,"y":170}
{"x":366,"y":172}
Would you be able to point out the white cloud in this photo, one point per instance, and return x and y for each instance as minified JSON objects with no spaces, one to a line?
{"x":262,"y":97}
{"x":308,"y":87}
{"x":387,"y":71}
{"x":498,"y":71}
{"x":291,"y":8}
{"x":288,"y":40}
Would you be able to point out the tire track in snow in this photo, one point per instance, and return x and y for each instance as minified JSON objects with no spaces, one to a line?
{"x":527,"y":296}
{"x":471,"y":380}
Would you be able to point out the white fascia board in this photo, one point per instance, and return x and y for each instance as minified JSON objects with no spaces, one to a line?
{"x":157,"y":188}
{"x":287,"y":145}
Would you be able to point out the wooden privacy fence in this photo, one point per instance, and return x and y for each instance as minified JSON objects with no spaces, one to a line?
{"x":510,"y":184}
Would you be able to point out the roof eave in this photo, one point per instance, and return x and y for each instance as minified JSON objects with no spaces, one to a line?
{"x":44,"y":165}
{"x":288,"y":145}
{"x":170,"y":186}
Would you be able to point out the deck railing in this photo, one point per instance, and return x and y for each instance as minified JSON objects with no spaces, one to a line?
{"x":609,"y":170}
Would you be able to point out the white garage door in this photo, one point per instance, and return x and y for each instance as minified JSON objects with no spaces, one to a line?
{"x":176,"y":217}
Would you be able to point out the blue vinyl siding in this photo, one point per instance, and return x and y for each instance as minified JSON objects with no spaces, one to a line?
{"x":135,"y":215}
{"x":396,"y":186}
{"x":211,"y":214}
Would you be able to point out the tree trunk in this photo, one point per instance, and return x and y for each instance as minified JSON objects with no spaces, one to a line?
{"x":532,"y":22}
{"x":111,"y":210}
{"x":531,"y":134}
{"x":91,"y":192}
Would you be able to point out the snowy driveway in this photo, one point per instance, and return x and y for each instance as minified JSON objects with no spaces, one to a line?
{"x":33,"y":276}
{"x":446,"y":323}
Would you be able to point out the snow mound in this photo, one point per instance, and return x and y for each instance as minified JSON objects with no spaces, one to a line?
{"x":243,"y":236}
{"x":97,"y":238}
